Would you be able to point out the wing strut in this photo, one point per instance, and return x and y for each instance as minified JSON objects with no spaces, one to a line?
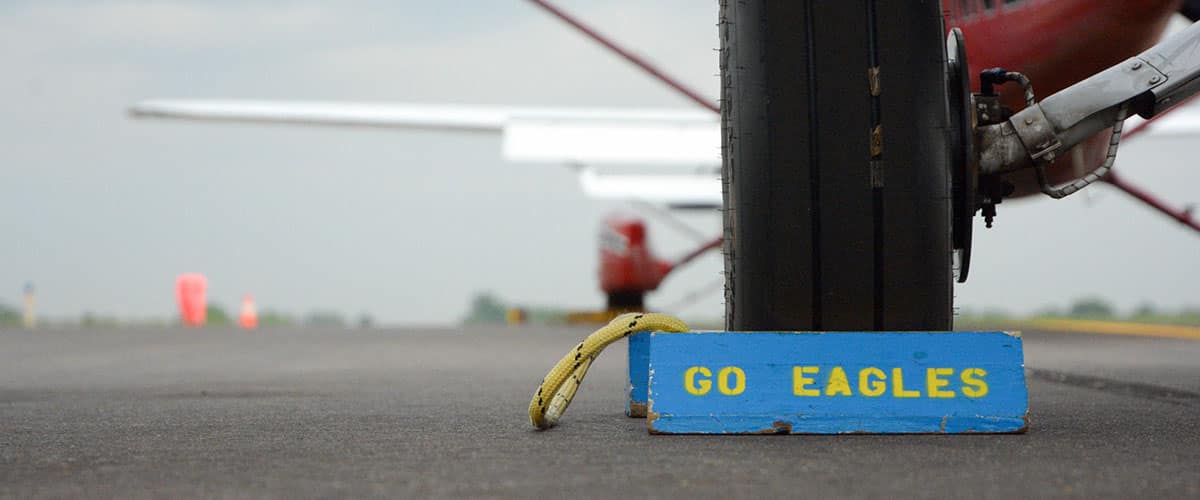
{"x":656,"y":73}
{"x":1184,"y":216}
{"x":629,"y":56}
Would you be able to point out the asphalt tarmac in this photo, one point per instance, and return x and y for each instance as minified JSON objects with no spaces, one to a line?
{"x":442,"y":412}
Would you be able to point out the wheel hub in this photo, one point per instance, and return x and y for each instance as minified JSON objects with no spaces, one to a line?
{"x":964,"y":168}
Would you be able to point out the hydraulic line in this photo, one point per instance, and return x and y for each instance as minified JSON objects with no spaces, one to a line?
{"x":557,"y":389}
{"x":989,"y":78}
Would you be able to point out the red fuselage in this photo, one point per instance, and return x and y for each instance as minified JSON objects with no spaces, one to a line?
{"x":628,"y":268}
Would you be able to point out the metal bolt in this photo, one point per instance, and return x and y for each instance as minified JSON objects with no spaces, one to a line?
{"x":1029,"y":121}
{"x":984,"y":117}
{"x":1137,"y":65}
{"x":1154,"y":79}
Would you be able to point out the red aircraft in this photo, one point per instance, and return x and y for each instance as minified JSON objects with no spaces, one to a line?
{"x":1055,"y":42}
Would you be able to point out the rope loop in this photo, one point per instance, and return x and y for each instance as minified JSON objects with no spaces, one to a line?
{"x":559,"y":386}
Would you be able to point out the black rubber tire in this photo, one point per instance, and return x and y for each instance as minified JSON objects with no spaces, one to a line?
{"x":812,"y":240}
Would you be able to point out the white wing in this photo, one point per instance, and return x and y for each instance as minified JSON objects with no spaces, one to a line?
{"x":588,"y":140}
{"x":458,"y":118}
{"x":690,"y":190}
{"x":555,"y":135}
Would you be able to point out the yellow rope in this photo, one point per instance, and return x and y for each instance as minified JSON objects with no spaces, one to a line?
{"x":559,"y":386}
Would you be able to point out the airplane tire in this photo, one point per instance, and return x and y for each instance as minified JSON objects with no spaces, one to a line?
{"x":836,"y":197}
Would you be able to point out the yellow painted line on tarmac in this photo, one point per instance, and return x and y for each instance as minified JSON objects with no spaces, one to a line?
{"x":1117,"y":328}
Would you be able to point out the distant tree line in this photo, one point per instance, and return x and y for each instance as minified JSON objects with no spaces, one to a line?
{"x":9,"y":315}
{"x":1094,"y":308}
{"x":217,"y":316}
{"x":487,"y":309}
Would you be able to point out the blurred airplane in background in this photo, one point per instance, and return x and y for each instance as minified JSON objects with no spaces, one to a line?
{"x":671,"y":158}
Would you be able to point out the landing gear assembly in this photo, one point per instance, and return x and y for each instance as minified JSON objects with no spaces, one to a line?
{"x":855,"y":163}
{"x":989,"y":141}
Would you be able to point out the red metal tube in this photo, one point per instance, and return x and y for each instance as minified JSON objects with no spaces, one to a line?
{"x":629,"y":56}
{"x":690,"y":256}
{"x":1184,"y":216}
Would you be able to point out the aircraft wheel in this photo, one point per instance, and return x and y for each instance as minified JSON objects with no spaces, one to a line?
{"x":836,"y":169}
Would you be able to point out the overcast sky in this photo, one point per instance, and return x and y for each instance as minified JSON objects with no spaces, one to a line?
{"x":102,"y":212}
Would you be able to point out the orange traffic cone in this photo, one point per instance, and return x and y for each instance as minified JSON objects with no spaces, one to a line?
{"x":248,"y":318}
{"x":190,"y":292}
